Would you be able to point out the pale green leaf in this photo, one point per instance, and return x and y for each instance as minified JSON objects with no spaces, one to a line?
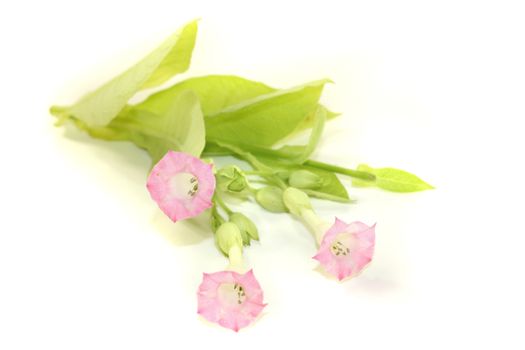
{"x":216,"y":92}
{"x":99,"y":107}
{"x":331,"y":188}
{"x":304,"y":152}
{"x":356,"y":182}
{"x":178,"y":58}
{"x":395,"y":180}
{"x":219,"y":92}
{"x":184,"y":124}
{"x":180,"y":128}
{"x":265,"y":119}
{"x":309,"y":121}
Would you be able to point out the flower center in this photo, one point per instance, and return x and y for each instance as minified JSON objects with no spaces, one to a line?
{"x":184,"y":185}
{"x":231,"y":294}
{"x":338,"y":248}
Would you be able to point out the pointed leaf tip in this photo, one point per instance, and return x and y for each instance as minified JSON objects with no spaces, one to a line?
{"x":173,"y":56}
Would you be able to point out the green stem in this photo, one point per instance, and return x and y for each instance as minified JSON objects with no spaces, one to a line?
{"x":252,"y":190}
{"x":276,"y":180}
{"x":363,"y":175}
{"x":337,"y":169}
{"x":220,"y":148}
{"x":257,"y":172}
{"x":223,"y":205}
{"x":250,"y":158}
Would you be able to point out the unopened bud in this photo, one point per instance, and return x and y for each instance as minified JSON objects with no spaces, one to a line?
{"x":296,"y":200}
{"x":231,"y":179}
{"x":246,"y":226}
{"x":228,"y":235}
{"x":305,"y":179}
{"x":283,"y":175}
{"x":271,"y":199}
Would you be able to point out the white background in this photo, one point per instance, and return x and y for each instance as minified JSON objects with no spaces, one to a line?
{"x":87,"y":260}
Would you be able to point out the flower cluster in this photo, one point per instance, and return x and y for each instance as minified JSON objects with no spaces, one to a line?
{"x":184,"y":186}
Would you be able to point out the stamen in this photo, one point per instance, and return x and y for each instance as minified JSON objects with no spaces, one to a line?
{"x":184,"y":185}
{"x":232,"y":293}
{"x":338,"y":248}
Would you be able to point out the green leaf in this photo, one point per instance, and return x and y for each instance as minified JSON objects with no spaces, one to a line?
{"x":183,"y":124}
{"x":216,"y":92}
{"x":356,"y":182}
{"x":395,"y":180}
{"x":219,"y":92}
{"x":178,"y":58}
{"x":304,"y":152}
{"x":99,"y":107}
{"x":265,"y":119}
{"x":309,"y":121}
{"x":327,"y":196}
{"x":180,"y":128}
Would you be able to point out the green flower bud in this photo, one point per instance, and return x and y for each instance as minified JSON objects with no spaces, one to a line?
{"x":305,"y":179}
{"x":246,"y":226}
{"x":283,"y":175}
{"x":296,"y":200}
{"x":237,"y":184}
{"x":245,"y":238}
{"x":228,"y":235}
{"x":231,"y":179}
{"x":271,"y":199}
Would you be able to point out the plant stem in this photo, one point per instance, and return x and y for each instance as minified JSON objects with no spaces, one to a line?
{"x":257,"y":172}
{"x":340,"y":170}
{"x":223,"y":205}
{"x":363,"y":175}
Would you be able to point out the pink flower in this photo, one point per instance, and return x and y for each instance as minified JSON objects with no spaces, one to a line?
{"x":346,"y":248}
{"x":182,"y":185}
{"x":230,"y":299}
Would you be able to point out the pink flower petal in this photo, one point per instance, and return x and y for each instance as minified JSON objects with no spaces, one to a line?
{"x":230,"y":299}
{"x":182,"y":185}
{"x":346,"y":248}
